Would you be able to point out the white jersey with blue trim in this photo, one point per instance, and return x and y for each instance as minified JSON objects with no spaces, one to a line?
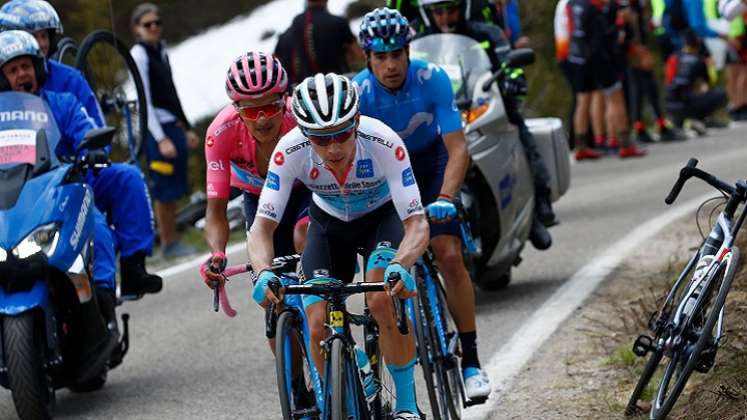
{"x":380,"y":172}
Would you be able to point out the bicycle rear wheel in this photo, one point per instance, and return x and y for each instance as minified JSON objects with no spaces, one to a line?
{"x":687,"y":357}
{"x":295,"y":383}
{"x":109,"y":68}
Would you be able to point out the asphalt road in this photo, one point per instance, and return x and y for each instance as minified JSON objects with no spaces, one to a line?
{"x":187,"y":362}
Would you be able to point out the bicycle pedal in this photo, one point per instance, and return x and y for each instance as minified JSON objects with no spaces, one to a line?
{"x":642,"y":345}
{"x":475,"y":401}
{"x":707,"y":360}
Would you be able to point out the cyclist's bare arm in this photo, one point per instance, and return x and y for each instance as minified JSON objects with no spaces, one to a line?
{"x":260,"y":243}
{"x":456,"y":167}
{"x":415,"y":241}
{"x":216,"y":224}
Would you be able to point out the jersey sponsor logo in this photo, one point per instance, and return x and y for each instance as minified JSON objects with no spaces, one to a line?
{"x":314,"y":173}
{"x":268,"y":207}
{"x":414,"y":206}
{"x":407,"y":177}
{"x":427,"y":73}
{"x":216,"y":165}
{"x":279,"y":159}
{"x":297,"y":147}
{"x":416,"y":121}
{"x":273,"y":181}
{"x":269,"y":213}
{"x":379,"y":140}
{"x":400,"y":153}
{"x":364,"y":168}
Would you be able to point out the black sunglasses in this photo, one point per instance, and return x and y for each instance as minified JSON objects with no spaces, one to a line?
{"x":152,"y":23}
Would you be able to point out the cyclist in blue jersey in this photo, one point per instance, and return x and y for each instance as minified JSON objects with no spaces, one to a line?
{"x":120,"y":190}
{"x":23,"y":67}
{"x":415,"y":99}
{"x":364,"y":193}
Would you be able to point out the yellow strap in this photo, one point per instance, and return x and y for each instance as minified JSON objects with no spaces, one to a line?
{"x":161,"y":167}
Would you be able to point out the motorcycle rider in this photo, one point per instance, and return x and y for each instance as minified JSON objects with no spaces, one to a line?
{"x":446,"y":16}
{"x":392,"y":92}
{"x":376,"y":202}
{"x":119,"y":183}
{"x":238,"y":149}
{"x":24,"y":69}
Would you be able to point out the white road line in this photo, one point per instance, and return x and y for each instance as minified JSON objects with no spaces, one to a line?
{"x":511,"y":358}
{"x":195,"y":262}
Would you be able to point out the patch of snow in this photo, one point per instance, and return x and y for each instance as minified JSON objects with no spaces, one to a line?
{"x":199,"y":63}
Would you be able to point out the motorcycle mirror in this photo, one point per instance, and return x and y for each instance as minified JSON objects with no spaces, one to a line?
{"x":97,"y":138}
{"x":43,"y":159}
{"x":520,"y":58}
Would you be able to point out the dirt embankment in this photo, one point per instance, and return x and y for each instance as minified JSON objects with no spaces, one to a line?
{"x":588,"y":370}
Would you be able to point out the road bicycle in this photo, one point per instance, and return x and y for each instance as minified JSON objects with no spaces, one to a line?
{"x":436,"y":334}
{"x":689,"y":326}
{"x":303,"y":394}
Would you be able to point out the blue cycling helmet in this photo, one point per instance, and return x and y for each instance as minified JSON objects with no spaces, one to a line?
{"x":30,"y":15}
{"x":384,"y":30}
{"x":14,"y":44}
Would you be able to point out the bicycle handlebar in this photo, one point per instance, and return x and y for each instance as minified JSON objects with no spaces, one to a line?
{"x":690,"y":171}
{"x":335,"y":289}
{"x":677,"y":187}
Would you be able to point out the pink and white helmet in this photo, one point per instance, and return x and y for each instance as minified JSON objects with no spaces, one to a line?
{"x":255,"y":75}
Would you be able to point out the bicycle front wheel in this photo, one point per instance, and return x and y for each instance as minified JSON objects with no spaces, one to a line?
{"x":109,"y":68}
{"x":345,"y":399}
{"x":447,"y":369}
{"x":295,"y":382}
{"x":426,"y":349}
{"x":686,"y":359}
{"x":652,"y":363}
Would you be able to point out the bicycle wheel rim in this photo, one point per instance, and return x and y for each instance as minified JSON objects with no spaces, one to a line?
{"x":336,"y":379}
{"x":648,"y":371}
{"x":288,"y":335}
{"x":425,"y":349}
{"x":121,"y":94}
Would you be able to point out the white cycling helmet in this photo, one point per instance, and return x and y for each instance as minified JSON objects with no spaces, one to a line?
{"x":324,"y":101}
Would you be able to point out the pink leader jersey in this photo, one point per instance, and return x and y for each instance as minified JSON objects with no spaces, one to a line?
{"x":230,"y":152}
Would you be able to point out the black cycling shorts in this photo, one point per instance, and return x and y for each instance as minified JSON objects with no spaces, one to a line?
{"x":332,"y":245}
{"x":595,"y":74}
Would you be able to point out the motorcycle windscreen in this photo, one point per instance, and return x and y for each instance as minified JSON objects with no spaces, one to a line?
{"x":22,"y":115}
{"x":462,"y":58}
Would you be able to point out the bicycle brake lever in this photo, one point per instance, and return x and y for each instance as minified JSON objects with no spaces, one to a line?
{"x":399,"y":306}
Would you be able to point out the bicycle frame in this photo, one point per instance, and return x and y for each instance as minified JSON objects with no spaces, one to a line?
{"x":425,"y":264}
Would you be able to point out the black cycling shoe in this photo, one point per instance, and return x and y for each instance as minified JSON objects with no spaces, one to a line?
{"x":671,"y":134}
{"x":135,"y":280}
{"x":644,"y":137}
{"x":539,"y":236}
{"x":107,"y":301}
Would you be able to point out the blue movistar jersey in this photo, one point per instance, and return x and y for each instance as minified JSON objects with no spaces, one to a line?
{"x":63,"y":78}
{"x":72,"y":120}
{"x":421,"y":112}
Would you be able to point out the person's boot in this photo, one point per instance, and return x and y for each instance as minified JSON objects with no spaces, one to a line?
{"x":107,"y":302}
{"x":135,"y":280}
{"x":539,"y":236}
{"x":543,"y":206}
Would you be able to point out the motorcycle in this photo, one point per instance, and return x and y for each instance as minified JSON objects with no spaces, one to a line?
{"x":498,"y":192}
{"x":51,"y":329}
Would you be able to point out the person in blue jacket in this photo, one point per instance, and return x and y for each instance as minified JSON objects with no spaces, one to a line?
{"x":114,"y":186}
{"x":24,"y":70}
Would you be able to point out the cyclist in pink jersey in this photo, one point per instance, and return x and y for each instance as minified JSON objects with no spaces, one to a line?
{"x":238,"y":148}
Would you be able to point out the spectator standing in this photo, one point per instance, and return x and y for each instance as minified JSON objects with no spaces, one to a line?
{"x":318,"y":42}
{"x":169,"y":131}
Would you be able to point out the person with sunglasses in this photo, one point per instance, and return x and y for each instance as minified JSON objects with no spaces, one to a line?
{"x":169,"y":131}
{"x":238,"y":151}
{"x":120,"y":190}
{"x":364,"y":194}
{"x":415,"y":98}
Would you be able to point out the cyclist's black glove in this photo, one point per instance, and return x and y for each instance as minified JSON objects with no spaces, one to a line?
{"x":514,"y":84}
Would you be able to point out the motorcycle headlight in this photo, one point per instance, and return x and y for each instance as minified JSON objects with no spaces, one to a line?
{"x":44,"y":239}
{"x":3,"y":255}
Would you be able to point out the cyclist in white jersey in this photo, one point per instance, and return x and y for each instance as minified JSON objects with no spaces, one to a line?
{"x":364,"y":194}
